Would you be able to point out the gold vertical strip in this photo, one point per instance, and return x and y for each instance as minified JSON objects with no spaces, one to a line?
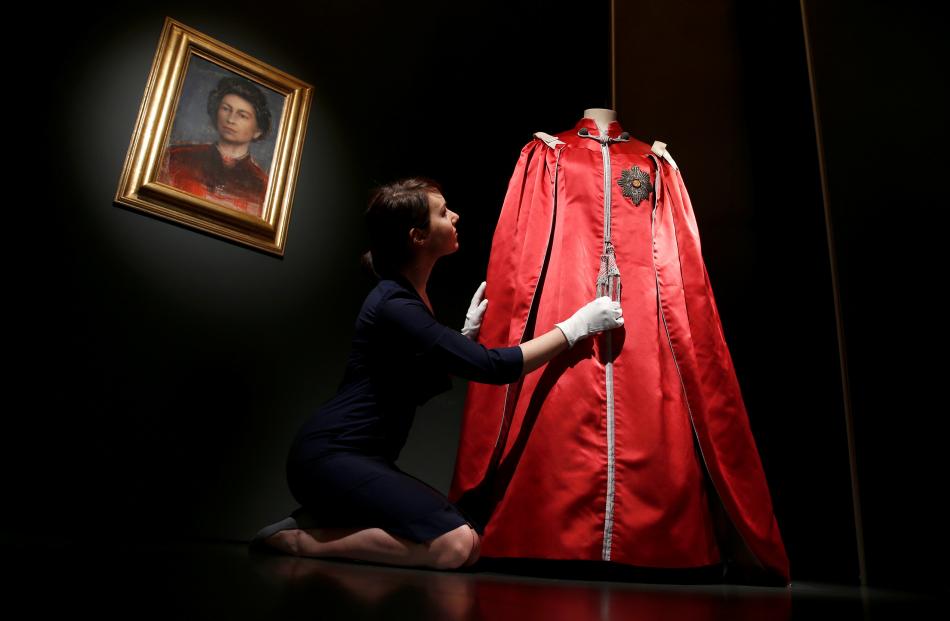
{"x":842,"y":349}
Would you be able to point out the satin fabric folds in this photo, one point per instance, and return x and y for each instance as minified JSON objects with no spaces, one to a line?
{"x":550,"y":470}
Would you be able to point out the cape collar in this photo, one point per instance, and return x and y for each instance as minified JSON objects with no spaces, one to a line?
{"x":613,"y":129}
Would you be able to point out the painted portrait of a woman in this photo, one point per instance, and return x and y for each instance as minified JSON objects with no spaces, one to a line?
{"x":224,"y":171}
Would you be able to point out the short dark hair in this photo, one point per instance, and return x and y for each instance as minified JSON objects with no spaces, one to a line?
{"x":393,"y":210}
{"x":246,"y":90}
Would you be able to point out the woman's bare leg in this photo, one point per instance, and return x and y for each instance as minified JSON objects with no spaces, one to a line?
{"x":476,"y":549}
{"x":453,"y":549}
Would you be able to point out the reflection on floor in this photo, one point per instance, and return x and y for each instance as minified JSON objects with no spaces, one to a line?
{"x":179,"y":580}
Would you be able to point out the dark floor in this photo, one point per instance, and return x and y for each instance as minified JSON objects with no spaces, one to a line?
{"x":224,"y":580}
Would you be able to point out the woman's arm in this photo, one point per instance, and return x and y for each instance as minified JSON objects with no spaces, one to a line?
{"x":539,"y":350}
{"x":596,"y":316}
{"x":404,"y":314}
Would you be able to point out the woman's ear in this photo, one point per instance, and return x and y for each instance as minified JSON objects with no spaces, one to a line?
{"x":417,"y":236}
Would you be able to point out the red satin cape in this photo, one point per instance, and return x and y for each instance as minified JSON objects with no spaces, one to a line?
{"x":534,"y":454}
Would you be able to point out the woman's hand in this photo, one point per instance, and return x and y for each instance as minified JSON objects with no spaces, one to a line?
{"x":597,"y":316}
{"x":476,"y":310}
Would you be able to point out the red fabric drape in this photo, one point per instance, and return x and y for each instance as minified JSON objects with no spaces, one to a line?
{"x":533,"y":459}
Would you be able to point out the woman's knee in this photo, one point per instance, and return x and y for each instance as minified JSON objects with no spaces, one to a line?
{"x":455,"y":548}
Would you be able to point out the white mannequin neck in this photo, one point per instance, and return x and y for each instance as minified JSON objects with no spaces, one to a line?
{"x":602,"y":117}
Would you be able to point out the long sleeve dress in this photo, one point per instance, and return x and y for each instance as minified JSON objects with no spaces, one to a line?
{"x":341,"y":465}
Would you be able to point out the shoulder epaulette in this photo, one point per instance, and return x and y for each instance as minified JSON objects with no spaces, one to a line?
{"x":660,"y":149}
{"x":548,"y":139}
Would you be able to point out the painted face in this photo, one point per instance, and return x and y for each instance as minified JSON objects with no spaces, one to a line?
{"x":442,"y":238}
{"x":236,"y":120}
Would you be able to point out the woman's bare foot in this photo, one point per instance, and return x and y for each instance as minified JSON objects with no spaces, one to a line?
{"x":287,"y":541}
{"x":457,"y":548}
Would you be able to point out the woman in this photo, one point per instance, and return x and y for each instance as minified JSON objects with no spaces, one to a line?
{"x":355,"y":502}
{"x":224,"y":172}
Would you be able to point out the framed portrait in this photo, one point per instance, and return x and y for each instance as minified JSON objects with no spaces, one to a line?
{"x":218,"y":141}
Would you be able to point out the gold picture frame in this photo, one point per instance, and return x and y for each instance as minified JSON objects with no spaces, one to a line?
{"x":238,"y":185}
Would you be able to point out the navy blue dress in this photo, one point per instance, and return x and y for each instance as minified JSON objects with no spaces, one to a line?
{"x":341,"y":465}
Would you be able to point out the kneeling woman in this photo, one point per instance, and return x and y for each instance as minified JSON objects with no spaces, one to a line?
{"x":355,"y":502}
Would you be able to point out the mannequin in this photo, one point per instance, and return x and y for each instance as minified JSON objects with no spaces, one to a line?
{"x":624,"y":448}
{"x":603,"y":117}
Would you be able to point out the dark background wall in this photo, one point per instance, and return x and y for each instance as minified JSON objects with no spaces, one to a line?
{"x":160,"y":373}
{"x":882,"y":90}
{"x":725,"y":85}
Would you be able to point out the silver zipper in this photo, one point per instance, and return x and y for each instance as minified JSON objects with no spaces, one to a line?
{"x":609,"y":370}
{"x":673,"y":352}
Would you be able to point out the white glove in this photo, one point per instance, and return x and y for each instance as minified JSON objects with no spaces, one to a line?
{"x":597,"y":316}
{"x":476,"y":310}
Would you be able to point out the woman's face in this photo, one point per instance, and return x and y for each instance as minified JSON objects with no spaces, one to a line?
{"x":442,"y":238}
{"x":236,"y":120}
